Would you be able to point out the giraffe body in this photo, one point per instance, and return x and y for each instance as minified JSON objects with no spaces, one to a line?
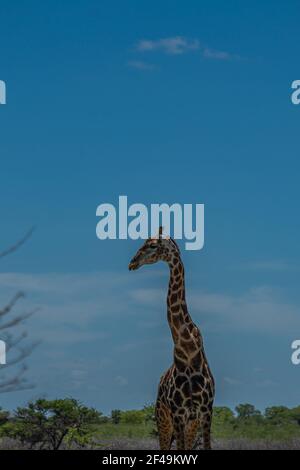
{"x":186,"y":389}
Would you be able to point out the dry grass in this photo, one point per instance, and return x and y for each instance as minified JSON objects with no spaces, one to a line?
{"x":217,"y":444}
{"x":152,"y":444}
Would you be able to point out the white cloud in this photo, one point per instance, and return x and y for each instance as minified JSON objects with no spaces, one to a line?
{"x":57,"y":283}
{"x":83,"y":316}
{"x":71,"y":305}
{"x":140,"y":65}
{"x":171,"y":45}
{"x":148,"y":295}
{"x":231,"y":381}
{"x":121,"y":381}
{"x":178,"y":45}
{"x":259,"y":309}
{"x":217,"y":55}
{"x":270,"y":265}
{"x":267,"y":383}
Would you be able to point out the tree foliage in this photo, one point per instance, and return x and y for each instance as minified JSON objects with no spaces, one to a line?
{"x":46,"y":424}
{"x":247,"y":411}
{"x":52,"y":424}
{"x":115,"y":416}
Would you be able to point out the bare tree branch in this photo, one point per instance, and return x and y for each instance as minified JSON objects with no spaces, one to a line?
{"x":22,"y":354}
{"x":18,"y":351}
{"x":11,"y":304}
{"x":17,"y":245}
{"x":13,"y":342}
{"x":17,"y":320}
{"x":17,"y":382}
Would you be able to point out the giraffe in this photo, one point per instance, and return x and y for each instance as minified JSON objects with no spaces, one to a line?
{"x":186,"y":390}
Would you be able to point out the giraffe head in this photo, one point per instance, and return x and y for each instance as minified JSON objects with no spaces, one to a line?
{"x":153,"y":250}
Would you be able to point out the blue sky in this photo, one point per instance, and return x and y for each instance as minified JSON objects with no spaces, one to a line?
{"x":103,"y":99}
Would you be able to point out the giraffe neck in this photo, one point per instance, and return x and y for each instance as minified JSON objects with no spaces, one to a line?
{"x":186,"y":336}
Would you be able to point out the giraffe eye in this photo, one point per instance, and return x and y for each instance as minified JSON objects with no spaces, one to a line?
{"x":153,"y":246}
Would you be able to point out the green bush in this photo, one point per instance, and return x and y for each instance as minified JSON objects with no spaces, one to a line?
{"x":46,"y":424}
{"x":132,"y":417}
{"x":115,"y":416}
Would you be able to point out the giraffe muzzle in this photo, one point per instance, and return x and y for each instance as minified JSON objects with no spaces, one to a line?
{"x":133,"y":265}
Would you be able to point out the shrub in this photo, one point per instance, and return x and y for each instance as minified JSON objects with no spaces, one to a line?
{"x":45,"y":424}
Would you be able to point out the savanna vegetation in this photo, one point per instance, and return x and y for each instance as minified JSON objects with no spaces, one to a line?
{"x":66,"y":424}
